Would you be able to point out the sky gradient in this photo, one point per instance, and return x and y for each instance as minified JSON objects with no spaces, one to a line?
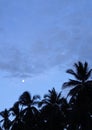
{"x":39,"y":40}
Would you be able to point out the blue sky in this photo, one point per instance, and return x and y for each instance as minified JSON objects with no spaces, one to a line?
{"x":39,"y":40}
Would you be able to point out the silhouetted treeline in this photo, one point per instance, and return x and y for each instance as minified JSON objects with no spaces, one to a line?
{"x":54,"y":112}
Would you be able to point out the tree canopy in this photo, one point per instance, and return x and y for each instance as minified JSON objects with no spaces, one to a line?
{"x":54,"y":112}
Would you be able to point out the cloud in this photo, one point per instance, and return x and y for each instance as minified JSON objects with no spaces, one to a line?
{"x":12,"y":60}
{"x":52,"y":35}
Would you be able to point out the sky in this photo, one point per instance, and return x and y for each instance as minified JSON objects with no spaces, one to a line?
{"x":39,"y":40}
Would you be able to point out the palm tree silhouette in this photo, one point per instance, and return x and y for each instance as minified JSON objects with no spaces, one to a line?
{"x":51,"y":98}
{"x":52,"y":117}
{"x":81,"y":95}
{"x":17,"y":123}
{"x":30,"y":112}
{"x":6,"y":122}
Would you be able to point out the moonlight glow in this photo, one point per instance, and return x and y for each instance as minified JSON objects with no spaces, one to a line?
{"x":23,"y":80}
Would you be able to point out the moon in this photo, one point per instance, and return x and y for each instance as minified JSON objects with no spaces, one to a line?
{"x":23,"y":80}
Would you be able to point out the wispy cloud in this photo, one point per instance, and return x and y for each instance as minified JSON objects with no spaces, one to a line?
{"x":47,"y":35}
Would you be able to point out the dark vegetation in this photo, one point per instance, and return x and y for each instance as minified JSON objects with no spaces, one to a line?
{"x":54,"y":112}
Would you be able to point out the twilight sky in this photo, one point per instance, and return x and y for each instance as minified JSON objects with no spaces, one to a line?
{"x":39,"y":40}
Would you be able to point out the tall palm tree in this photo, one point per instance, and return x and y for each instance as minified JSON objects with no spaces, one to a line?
{"x":52,"y":117}
{"x":81,"y":94}
{"x":82,"y":75}
{"x":30,"y":112}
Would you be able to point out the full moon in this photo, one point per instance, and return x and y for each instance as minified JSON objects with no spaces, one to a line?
{"x":23,"y":80}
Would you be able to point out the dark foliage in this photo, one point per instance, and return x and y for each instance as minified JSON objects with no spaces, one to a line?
{"x":53,"y":112}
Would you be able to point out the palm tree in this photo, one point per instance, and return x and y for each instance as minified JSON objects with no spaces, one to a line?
{"x":52,"y":98}
{"x":81,"y":94}
{"x":6,"y":122}
{"x":30,"y":112}
{"x":82,"y":75}
{"x":17,"y":123}
{"x":52,"y":117}
{"x":25,"y":99}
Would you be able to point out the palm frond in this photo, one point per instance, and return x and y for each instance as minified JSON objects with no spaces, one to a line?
{"x":74,"y":90}
{"x":15,"y":108}
{"x":70,"y":71}
{"x":35,"y":102}
{"x":79,"y":69}
{"x":35,"y":97}
{"x":43,"y":102}
{"x":25,"y":98}
{"x":1,"y":120}
{"x":76,"y":66}
{"x":71,"y":83}
{"x":47,"y":96}
{"x":4,"y":113}
{"x":59,"y":95}
{"x":88,"y":74}
{"x":85,"y":67}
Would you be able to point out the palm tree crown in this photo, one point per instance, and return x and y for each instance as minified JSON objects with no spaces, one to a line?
{"x":81,"y":96}
{"x":52,"y":98}
{"x":26,"y":99}
{"x":82,"y":75}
